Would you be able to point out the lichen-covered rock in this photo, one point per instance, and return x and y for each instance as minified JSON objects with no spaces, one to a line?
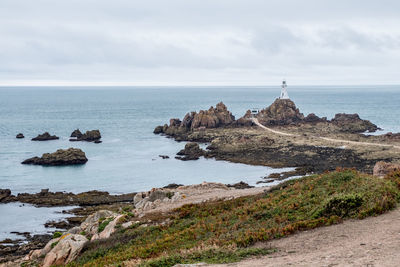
{"x":71,"y":156}
{"x":352,"y":123}
{"x":192,"y":151}
{"x":381,"y":168}
{"x":66,"y":250}
{"x":20,"y":136}
{"x":45,"y":137}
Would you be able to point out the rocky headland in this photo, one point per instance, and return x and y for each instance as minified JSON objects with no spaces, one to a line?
{"x":70,"y":156}
{"x":288,"y":139}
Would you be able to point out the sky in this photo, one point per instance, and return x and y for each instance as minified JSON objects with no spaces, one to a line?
{"x":199,"y":42}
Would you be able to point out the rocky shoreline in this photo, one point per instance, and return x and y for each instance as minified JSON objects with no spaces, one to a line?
{"x":306,"y":142}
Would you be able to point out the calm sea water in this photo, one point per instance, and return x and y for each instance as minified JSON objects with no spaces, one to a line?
{"x":127,"y":160}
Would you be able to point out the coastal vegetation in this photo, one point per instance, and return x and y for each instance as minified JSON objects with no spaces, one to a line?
{"x":226,"y":231}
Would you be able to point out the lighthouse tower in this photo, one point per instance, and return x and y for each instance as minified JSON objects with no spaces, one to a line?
{"x":284,"y":94}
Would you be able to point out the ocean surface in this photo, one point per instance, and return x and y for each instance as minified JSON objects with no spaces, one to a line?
{"x":127,"y":160}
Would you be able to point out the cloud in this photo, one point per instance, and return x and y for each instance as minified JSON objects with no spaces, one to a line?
{"x":199,"y":42}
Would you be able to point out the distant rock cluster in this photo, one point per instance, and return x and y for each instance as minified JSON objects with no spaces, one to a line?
{"x":280,"y":113}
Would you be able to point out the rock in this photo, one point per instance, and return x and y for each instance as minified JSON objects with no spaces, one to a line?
{"x":164,"y":156}
{"x":20,"y":136}
{"x":312,"y":118}
{"x":240,"y":185}
{"x":281,"y":112}
{"x":352,"y":123}
{"x":90,"y":198}
{"x":211,"y":118}
{"x":4,"y":193}
{"x":71,"y":156}
{"x":108,"y":230}
{"x":45,"y":137}
{"x":77,"y":133}
{"x":381,"y":168}
{"x":192,"y":151}
{"x":91,"y":224}
{"x":67,"y":249}
{"x":158,"y":130}
{"x":172,"y":186}
{"x":89,"y":136}
{"x":98,"y":142}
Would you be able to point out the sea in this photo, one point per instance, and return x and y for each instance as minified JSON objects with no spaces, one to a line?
{"x":128,"y":158}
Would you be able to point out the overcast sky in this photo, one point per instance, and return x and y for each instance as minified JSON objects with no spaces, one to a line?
{"x":199,"y":42}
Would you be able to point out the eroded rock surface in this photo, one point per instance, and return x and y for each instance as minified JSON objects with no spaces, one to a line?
{"x":381,"y":168}
{"x":71,"y":156}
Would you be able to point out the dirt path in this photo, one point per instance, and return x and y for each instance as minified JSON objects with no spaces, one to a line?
{"x":374,"y":241}
{"x":324,"y":138}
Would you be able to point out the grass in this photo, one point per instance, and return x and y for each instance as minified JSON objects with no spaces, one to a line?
{"x":103,"y":223}
{"x":224,"y":231}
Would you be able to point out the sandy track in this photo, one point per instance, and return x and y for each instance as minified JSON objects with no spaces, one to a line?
{"x":374,"y":241}
{"x":324,"y":138}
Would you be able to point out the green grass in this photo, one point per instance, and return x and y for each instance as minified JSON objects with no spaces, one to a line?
{"x":223,"y":231}
{"x":103,"y":223}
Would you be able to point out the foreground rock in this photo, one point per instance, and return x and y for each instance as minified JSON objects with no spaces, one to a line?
{"x":71,"y":156}
{"x":381,"y":168}
{"x":45,"y":137}
{"x":46,"y":198}
{"x":89,"y":136}
{"x":192,"y":151}
{"x":20,"y":136}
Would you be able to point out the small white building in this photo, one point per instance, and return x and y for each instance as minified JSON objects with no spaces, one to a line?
{"x":284,"y":93}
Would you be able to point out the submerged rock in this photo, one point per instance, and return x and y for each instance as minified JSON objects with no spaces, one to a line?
{"x":20,"y":136}
{"x":45,"y":137}
{"x":381,"y":168}
{"x":71,"y":156}
{"x":240,"y":185}
{"x":4,"y":193}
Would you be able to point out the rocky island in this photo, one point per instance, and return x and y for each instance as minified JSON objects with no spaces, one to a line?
{"x":45,"y":137}
{"x":70,"y":156}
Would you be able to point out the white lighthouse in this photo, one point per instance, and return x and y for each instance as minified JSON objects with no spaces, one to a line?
{"x":284,"y":94}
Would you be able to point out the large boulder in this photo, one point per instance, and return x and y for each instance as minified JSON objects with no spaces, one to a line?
{"x":45,"y":137}
{"x":281,"y":112}
{"x":381,"y":168}
{"x":91,"y":225}
{"x":352,"y":123}
{"x":66,"y":250}
{"x":71,"y":156}
{"x":192,"y":151}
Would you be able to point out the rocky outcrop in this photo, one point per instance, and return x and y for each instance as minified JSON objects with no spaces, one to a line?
{"x":281,"y":112}
{"x":312,"y":118}
{"x":192,"y":151}
{"x":45,"y":137}
{"x":381,"y":168}
{"x":46,"y":198}
{"x":89,"y":136}
{"x":67,"y":248}
{"x":4,"y":194}
{"x":76,"y":133}
{"x":91,"y":225}
{"x":216,"y":117}
{"x":352,"y":123}
{"x":71,"y":156}
{"x":20,"y":136}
